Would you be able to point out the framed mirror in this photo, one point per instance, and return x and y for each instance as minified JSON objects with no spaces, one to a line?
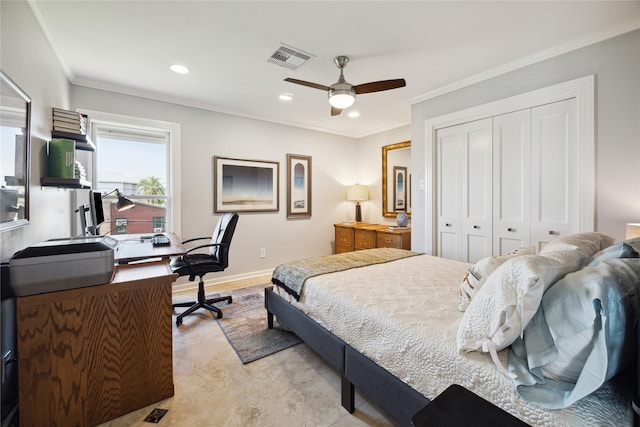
{"x":15,"y":140}
{"x":396,"y":179}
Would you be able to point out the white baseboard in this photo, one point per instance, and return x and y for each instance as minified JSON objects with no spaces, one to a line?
{"x":187,"y":286}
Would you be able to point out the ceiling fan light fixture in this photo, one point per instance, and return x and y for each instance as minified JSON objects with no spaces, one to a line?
{"x":341,"y":98}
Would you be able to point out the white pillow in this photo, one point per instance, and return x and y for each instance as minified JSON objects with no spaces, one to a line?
{"x":589,"y":243}
{"x":478,"y":273}
{"x":510,"y":297}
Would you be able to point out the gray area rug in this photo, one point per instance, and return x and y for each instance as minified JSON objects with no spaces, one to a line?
{"x":244,"y":323}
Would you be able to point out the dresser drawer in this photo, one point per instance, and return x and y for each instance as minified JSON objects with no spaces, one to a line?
{"x":364,"y":239}
{"x":343,"y":248}
{"x":344,"y":236}
{"x":389,"y":240}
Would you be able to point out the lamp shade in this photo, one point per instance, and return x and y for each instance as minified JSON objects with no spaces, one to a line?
{"x":341,"y":98}
{"x":123,"y":203}
{"x":633,"y":230}
{"x":357,"y":193}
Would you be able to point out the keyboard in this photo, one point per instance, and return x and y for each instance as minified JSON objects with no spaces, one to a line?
{"x":160,"y":240}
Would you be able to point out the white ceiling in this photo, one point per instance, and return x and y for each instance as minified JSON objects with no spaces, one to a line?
{"x":128,"y":47}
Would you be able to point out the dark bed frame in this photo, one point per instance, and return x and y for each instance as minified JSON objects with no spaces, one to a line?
{"x":392,"y":396}
{"x":396,"y":399}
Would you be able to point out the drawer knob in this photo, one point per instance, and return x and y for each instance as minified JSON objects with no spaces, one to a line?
{"x":511,"y":229}
{"x":554,"y":233}
{"x":448,"y":225}
{"x":477,"y":227}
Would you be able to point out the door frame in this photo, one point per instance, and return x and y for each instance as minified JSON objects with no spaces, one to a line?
{"x":582,"y":89}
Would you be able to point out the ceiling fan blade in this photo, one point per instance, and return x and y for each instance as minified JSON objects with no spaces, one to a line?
{"x":335,"y":111}
{"x":379,"y":86}
{"x":309,"y":84}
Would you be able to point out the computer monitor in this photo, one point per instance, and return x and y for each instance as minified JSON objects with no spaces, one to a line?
{"x":96,"y":210}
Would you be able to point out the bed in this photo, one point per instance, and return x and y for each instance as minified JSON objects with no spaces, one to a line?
{"x":391,"y":329}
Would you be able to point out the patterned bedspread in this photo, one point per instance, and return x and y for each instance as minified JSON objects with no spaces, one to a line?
{"x":403,"y":315}
{"x":292,"y":275}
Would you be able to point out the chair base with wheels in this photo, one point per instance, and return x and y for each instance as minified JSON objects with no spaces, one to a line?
{"x":202,"y":302}
{"x":198,"y":264}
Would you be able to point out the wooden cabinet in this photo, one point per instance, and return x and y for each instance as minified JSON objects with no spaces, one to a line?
{"x":89,"y":355}
{"x":400,"y":239}
{"x":344,"y":238}
{"x":364,"y":237}
{"x":369,"y":236}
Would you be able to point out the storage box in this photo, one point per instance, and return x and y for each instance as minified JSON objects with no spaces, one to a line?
{"x":58,"y":265}
{"x":61,"y":158}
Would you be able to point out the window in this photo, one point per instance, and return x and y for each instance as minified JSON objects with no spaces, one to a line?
{"x":140,"y":158}
{"x":158,"y":224}
{"x":120,"y":226}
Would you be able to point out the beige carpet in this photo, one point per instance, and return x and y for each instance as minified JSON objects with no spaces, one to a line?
{"x":244,"y":323}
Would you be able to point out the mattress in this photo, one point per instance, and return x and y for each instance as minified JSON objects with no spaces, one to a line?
{"x":403,"y":315}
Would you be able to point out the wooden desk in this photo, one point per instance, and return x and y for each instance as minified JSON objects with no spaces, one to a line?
{"x":88,"y":355}
{"x":137,"y":247}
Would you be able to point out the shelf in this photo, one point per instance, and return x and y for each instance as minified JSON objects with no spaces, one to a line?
{"x":64,"y":182}
{"x":82,"y":142}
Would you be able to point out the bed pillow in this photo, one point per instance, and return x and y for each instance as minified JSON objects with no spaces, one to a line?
{"x":621,"y":250}
{"x":478,"y":273}
{"x":510,"y":297}
{"x":589,"y":243}
{"x":581,"y":336}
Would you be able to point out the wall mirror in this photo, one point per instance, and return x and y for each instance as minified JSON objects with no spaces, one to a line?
{"x":15,"y":127}
{"x":396,"y":179}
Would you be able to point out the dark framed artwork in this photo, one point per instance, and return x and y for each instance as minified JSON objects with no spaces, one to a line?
{"x":400,"y":188}
{"x":245,"y":185}
{"x":298,"y":186}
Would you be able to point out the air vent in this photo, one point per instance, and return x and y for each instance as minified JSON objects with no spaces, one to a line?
{"x":289,"y":57}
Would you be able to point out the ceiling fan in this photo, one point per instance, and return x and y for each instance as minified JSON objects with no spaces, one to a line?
{"x":342,"y":94}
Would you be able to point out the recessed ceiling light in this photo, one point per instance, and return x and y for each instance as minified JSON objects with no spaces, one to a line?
{"x":180,"y":69}
{"x":354,"y":114}
{"x":285,"y":97}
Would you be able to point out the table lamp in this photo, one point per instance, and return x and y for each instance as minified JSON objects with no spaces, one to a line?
{"x":358,"y":193}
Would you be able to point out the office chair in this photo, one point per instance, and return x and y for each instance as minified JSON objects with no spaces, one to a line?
{"x":199,"y":264}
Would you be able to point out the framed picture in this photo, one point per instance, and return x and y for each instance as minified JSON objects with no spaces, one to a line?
{"x":298,"y":186}
{"x":400,"y":188}
{"x":245,"y":185}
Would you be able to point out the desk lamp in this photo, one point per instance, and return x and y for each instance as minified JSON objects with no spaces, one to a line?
{"x":357,"y":193}
{"x":123,"y":203}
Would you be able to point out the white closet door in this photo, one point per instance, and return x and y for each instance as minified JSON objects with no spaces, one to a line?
{"x":511,"y":181}
{"x":554,"y":172}
{"x":449,"y":190}
{"x":476,"y":192}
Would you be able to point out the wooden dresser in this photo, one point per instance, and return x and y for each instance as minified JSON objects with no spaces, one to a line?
{"x":353,"y":237}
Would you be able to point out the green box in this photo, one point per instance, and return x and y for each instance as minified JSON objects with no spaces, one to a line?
{"x":62,"y":158}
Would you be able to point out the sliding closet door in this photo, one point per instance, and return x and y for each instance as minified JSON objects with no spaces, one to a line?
{"x":554,"y":172}
{"x":449,"y":190}
{"x":511,"y":181}
{"x":477,"y":206}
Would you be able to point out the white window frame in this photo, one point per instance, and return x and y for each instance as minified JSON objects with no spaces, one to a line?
{"x":99,"y":118}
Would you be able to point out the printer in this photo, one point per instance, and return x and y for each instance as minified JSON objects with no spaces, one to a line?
{"x":57,"y":265}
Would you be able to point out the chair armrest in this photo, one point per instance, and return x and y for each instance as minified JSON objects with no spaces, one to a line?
{"x":194,"y":239}
{"x":205,"y":246}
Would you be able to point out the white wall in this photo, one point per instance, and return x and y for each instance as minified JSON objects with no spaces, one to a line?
{"x":616,"y":65}
{"x":206,"y":134}
{"x":30,"y":62}
{"x":370,"y":170}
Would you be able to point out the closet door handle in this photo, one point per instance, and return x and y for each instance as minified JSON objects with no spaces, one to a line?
{"x":448,"y":225}
{"x":510,"y":229}
{"x":477,"y":227}
{"x":554,"y":233}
